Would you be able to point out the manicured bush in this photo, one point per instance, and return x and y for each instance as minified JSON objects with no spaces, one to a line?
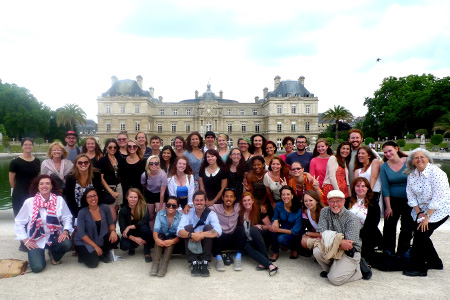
{"x":410,"y":136}
{"x":436,"y":139}
{"x":422,"y":131}
{"x":401,"y":143}
{"x":39,"y":141}
{"x":368,"y":140}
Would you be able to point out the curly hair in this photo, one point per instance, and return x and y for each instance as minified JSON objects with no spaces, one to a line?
{"x":219,"y":161}
{"x":188,"y":141}
{"x":242,"y":166}
{"x":369,"y":194}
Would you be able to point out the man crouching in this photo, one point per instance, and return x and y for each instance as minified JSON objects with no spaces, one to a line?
{"x":335,"y":223}
{"x":198,"y":228}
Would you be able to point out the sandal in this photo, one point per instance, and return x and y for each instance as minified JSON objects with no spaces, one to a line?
{"x":274,"y":259}
{"x":261,"y":268}
{"x":273,"y":271}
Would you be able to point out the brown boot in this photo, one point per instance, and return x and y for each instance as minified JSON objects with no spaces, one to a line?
{"x":165,"y":261}
{"x":156,"y":259}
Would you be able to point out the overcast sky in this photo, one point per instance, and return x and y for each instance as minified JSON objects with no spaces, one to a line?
{"x":67,"y":52}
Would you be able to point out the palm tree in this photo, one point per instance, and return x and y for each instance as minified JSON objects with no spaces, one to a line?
{"x":70,"y":114}
{"x":339,"y":113}
{"x":443,"y":123}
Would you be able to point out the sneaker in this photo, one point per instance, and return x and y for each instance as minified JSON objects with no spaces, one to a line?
{"x":204,"y":272}
{"x":227,"y":259}
{"x":220,"y":266}
{"x":104,"y":258}
{"x":237,"y":265}
{"x":195,"y":272}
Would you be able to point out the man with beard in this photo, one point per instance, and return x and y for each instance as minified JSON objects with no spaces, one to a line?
{"x":301,"y":155}
{"x":355,"y":138}
{"x":71,"y":140}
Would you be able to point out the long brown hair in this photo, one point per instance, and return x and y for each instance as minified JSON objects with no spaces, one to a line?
{"x":173,"y":170}
{"x":138,"y":151}
{"x":76,"y":173}
{"x":396,"y":147}
{"x":343,"y":162}
{"x":141,"y":205}
{"x":284,"y":171}
{"x":254,"y":212}
{"x":369,"y":194}
{"x":329,"y":150}
{"x":97,"y":149}
{"x":358,"y":164}
{"x":319,"y":204}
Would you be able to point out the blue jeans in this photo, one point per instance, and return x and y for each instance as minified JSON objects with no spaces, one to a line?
{"x":283,"y":239}
{"x":36,"y":257}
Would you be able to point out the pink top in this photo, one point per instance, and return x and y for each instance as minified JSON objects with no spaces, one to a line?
{"x":318,"y":168}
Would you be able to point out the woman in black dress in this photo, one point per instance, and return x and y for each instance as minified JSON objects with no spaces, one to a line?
{"x":131,"y":168}
{"x":237,"y":167}
{"x":22,"y":170}
{"x":213,"y":177}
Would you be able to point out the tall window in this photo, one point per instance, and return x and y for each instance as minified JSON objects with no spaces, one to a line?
{"x":137,"y":126}
{"x":279,"y":143}
{"x":230,"y":143}
{"x":108,"y":126}
{"x":257,"y":127}
{"x":136,"y":109}
{"x":241,"y":112}
{"x":188,"y":112}
{"x":122,"y":126}
{"x":293,"y":126}
{"x":174,"y":127}
{"x":161,"y":112}
{"x":208,"y":126}
{"x":159,"y":128}
{"x":306,"y":126}
{"x":122,"y":109}
{"x":230,"y":127}
{"x":278,"y":126}
{"x":108,"y":108}
{"x":293,"y":109}
{"x":188,"y":127}
{"x":175,"y":112}
{"x":279,"y":109}
{"x":255,"y":112}
{"x":244,"y":127}
{"x":308,"y":109}
{"x":228,"y":112}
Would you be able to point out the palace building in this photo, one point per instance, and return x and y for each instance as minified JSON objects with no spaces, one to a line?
{"x":289,"y":110}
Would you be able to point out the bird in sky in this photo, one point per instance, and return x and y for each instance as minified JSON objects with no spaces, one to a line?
{"x":378,"y":59}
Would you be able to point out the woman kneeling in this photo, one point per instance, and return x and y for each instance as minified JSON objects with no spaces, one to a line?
{"x":165,"y":235}
{"x":96,"y":234}
{"x":133,"y":222}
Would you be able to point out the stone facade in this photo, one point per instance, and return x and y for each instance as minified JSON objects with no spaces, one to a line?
{"x":289,"y":110}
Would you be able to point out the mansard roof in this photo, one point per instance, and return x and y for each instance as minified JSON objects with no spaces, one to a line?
{"x":126,"y":87}
{"x":288,"y":88}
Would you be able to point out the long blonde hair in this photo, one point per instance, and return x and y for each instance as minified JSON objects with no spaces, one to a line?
{"x":141,"y":206}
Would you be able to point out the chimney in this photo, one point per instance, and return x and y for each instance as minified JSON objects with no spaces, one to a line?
{"x":196,"y":94}
{"x":265,"y":92}
{"x":152,"y":92}
{"x":276,"y":82}
{"x":256,"y":99}
{"x":113,"y":79}
{"x":139,"y":81}
{"x":221,"y":94}
{"x":160,"y":98}
{"x":301,"y":79}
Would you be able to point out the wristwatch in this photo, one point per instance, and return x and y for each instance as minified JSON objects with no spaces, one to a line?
{"x":429,"y":216}
{"x":189,"y":235}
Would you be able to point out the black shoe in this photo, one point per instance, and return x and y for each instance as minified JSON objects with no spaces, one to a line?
{"x":131,"y":252}
{"x":148,"y":259}
{"x":435,"y":266}
{"x":80,"y":260}
{"x":195,"y":272}
{"x":415,"y":273}
{"x":324,"y":274}
{"x":204,"y":272}
{"x":273,"y":271}
{"x":227,"y":259}
{"x":104,"y":259}
{"x":22,"y":247}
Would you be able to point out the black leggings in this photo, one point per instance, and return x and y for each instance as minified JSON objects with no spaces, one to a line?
{"x":143,"y":232}
{"x":91,"y":259}
{"x":401,"y":210}
{"x":256,"y":248}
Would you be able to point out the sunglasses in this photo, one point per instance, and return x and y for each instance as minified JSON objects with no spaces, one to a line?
{"x":132,"y":146}
{"x":85,"y":162}
{"x":122,"y":140}
{"x":92,"y":197}
{"x":153,"y":163}
{"x":296,"y":169}
{"x":171,"y":205}
{"x":112,"y":147}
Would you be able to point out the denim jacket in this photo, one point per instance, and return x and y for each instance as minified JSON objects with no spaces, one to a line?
{"x":162,"y":223}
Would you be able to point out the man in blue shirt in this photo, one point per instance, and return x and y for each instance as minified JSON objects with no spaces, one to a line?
{"x":301,"y":154}
{"x":198,"y":228}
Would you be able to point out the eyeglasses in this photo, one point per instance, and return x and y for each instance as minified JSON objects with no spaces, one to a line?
{"x":132,"y":146}
{"x":84,"y":162}
{"x":112,"y":147}
{"x":56,"y":150}
{"x":122,"y":140}
{"x":296,"y":169}
{"x":335,"y":202}
{"x":71,"y":138}
{"x":171,"y":205}
{"x":92,"y":197}
{"x":153,"y":163}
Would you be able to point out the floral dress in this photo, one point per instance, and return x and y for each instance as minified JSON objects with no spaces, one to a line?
{"x":342,"y":184}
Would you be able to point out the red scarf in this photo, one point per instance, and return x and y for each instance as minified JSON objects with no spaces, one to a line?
{"x":37,"y":231}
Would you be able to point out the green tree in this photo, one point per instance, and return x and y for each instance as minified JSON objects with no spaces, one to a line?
{"x":403,"y":104}
{"x":443,"y":123}
{"x":21,"y":113}
{"x":336,"y":114}
{"x":437,"y":139}
{"x":369,"y":140}
{"x":70,"y":114}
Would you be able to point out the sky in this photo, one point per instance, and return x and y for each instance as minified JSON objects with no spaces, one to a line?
{"x":66,"y":52}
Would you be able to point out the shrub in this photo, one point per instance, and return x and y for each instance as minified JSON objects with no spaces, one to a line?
{"x":401,"y":143}
{"x":340,"y":140}
{"x":330,"y":140}
{"x":369,"y":140}
{"x":39,"y":141}
{"x":422,"y":131}
{"x":410,"y":136}
{"x":436,"y":139}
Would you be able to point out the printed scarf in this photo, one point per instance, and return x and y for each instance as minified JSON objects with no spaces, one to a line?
{"x":37,"y":230}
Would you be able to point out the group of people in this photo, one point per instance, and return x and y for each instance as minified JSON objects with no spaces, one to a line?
{"x":245,"y":200}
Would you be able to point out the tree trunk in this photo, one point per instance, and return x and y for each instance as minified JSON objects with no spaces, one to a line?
{"x":337,"y":135}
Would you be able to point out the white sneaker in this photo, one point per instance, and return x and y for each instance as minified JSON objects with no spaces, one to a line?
{"x":220,"y":266}
{"x":237,"y":264}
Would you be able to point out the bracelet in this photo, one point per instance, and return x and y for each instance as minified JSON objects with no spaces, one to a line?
{"x":26,"y":242}
{"x":429,"y":216}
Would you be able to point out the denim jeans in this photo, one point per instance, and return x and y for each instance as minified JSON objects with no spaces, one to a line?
{"x":283,"y":239}
{"x":36,"y":257}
